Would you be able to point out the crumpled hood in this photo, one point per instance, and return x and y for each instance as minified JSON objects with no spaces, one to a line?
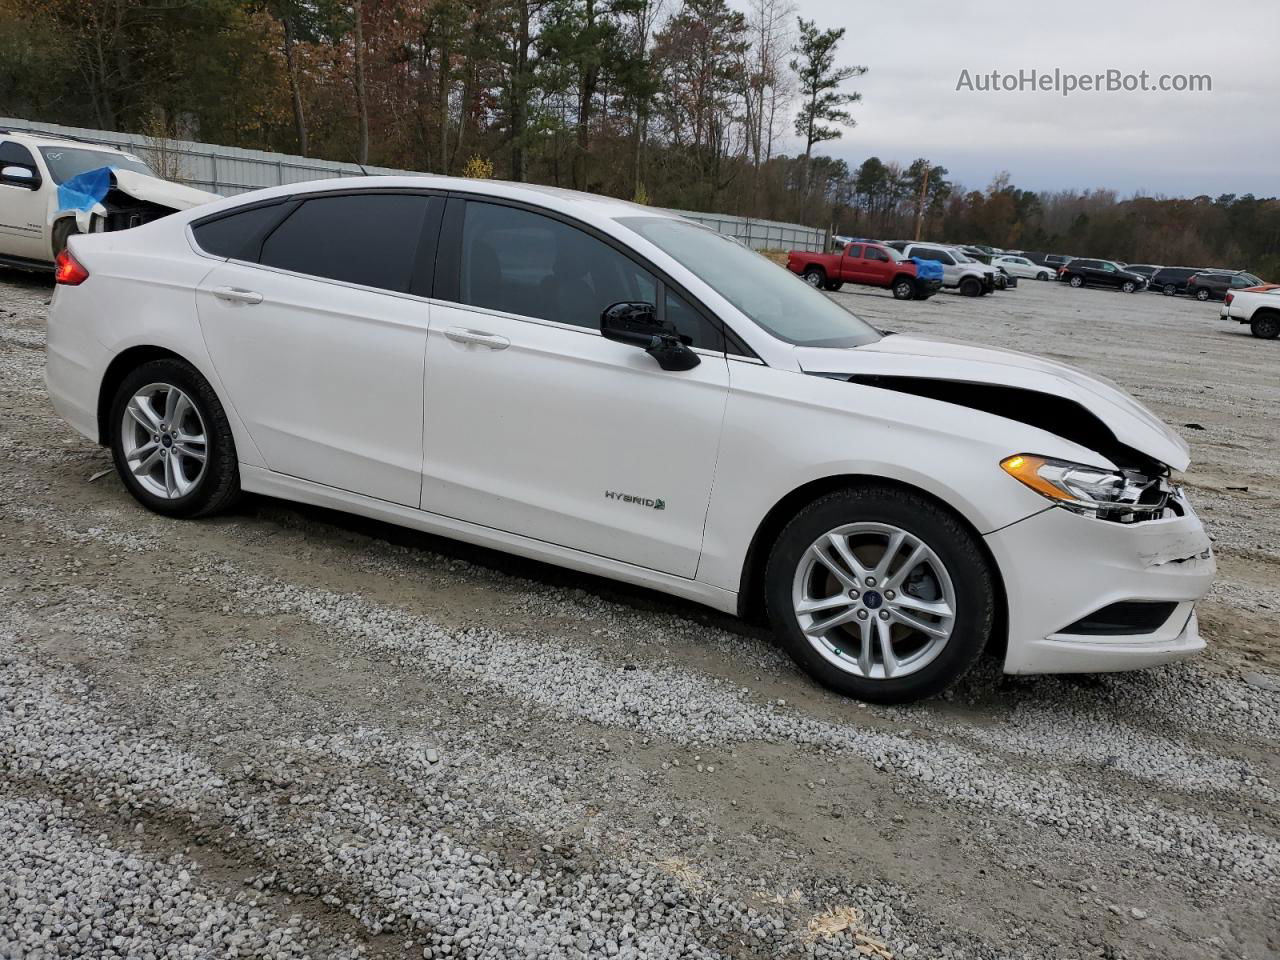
{"x":914,"y":356}
{"x":163,"y":192}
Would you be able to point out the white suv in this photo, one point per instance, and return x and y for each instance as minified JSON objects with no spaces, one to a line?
{"x":959,"y":270}
{"x":617,"y":390}
{"x":36,"y":217}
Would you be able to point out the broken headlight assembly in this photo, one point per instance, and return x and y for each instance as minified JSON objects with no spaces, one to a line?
{"x":1126,"y":496}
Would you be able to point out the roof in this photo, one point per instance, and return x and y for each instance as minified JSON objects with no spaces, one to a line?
{"x":38,"y":138}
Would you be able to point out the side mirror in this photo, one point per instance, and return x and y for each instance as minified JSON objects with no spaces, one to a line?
{"x":636,"y":323}
{"x":17,"y":176}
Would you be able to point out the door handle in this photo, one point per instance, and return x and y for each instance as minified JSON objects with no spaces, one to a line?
{"x":237,"y":295}
{"x":479,"y":337}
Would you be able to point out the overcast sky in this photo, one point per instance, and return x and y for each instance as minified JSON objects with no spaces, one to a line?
{"x":1175,"y":144}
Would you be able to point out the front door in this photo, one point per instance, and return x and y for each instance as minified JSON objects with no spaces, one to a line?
{"x":23,"y":207}
{"x":321,"y":346}
{"x":537,"y":425}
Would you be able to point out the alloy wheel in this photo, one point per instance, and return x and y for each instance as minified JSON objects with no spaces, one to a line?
{"x":874,"y":600}
{"x":163,"y":440}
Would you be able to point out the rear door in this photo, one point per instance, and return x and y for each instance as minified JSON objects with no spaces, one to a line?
{"x":320,"y":340}
{"x":852,"y":266}
{"x":536,"y":424}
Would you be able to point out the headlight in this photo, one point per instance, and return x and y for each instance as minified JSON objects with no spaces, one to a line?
{"x":1096,"y":492}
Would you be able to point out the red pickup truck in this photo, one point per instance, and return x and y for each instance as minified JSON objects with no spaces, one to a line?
{"x":869,"y":264}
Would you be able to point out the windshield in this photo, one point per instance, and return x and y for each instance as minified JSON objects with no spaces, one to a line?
{"x":771,"y":296}
{"x":1255,"y":281}
{"x":961,"y":258}
{"x":894,"y":255}
{"x":67,"y":162}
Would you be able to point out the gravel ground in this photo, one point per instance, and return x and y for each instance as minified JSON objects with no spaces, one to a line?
{"x":291,"y":733}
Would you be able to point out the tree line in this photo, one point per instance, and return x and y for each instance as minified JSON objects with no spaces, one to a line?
{"x":676,"y":103}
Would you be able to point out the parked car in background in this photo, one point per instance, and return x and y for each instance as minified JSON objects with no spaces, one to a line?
{"x":867,"y":264}
{"x":1214,"y":285}
{"x":1258,"y":307}
{"x":959,"y":272}
{"x":52,"y":187}
{"x":1083,"y":272}
{"x":1057,"y":260}
{"x":1171,"y":280}
{"x":1023,"y":267}
{"x":1145,"y":270}
{"x":629,"y":394}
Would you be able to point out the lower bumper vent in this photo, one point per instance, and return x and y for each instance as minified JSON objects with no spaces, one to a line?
{"x":1124,"y":618}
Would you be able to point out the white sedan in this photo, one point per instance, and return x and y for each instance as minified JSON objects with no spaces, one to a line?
{"x":620,"y":391}
{"x":1024,"y":268}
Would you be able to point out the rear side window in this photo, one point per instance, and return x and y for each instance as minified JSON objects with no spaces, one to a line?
{"x":238,"y":236}
{"x":371,"y":239}
{"x":853,"y":250}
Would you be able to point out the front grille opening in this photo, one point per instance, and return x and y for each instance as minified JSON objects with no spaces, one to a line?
{"x":1124,"y":618}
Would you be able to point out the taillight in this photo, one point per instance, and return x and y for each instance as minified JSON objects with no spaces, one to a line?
{"x":1229,"y":298}
{"x":68,"y":270}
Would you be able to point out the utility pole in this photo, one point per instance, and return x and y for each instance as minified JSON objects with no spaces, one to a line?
{"x":924,"y":192}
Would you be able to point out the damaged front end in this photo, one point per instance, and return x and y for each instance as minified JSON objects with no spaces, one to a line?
{"x":108,"y":199}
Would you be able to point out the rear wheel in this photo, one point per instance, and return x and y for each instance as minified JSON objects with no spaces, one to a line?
{"x":970,"y":287}
{"x":904,"y":288}
{"x":880,"y":594}
{"x":1265,"y":326}
{"x":1077,"y":281}
{"x":815,"y":277}
{"x":1202,"y":294}
{"x":171,"y":442}
{"x":1170,"y":289}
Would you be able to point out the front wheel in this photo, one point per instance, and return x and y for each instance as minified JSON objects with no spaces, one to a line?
{"x":970,"y":287}
{"x":815,"y":277}
{"x":880,"y":594}
{"x":903,"y":289}
{"x":1042,"y":275}
{"x":171,"y":442}
{"x":63,"y":230}
{"x":1266,"y":326}
{"x":1128,"y":286}
{"x":1202,"y":294}
{"x":1170,"y":289}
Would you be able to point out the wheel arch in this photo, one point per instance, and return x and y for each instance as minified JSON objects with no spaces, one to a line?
{"x":751,"y":586}
{"x":119,"y":368}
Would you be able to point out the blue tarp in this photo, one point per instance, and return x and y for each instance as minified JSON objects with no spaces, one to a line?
{"x":85,"y":190}
{"x":927,"y":269}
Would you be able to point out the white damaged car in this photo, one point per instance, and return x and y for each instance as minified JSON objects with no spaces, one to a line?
{"x":617,"y":390}
{"x":52,"y":187}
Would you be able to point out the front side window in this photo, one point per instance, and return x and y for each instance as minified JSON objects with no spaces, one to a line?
{"x":370,"y":239}
{"x":769,"y":296}
{"x":67,"y":162}
{"x":875,"y":253}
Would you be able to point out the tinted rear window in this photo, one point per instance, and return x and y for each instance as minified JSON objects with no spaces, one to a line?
{"x":232,"y":236}
{"x":370,"y":239}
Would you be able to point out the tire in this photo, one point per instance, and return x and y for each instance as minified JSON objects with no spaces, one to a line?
{"x":815,"y":277}
{"x":904,"y":288}
{"x":1129,"y":286}
{"x":1169,"y":290}
{"x":924,"y":665}
{"x":212,"y":484}
{"x":1077,"y":281}
{"x":1042,"y":275}
{"x":63,"y":230}
{"x":833,"y":285}
{"x":1265,"y":326}
{"x":970,"y":287}
{"x":1203,"y":294}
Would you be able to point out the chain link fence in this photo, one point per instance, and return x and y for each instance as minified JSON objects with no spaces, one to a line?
{"x":232,"y":170}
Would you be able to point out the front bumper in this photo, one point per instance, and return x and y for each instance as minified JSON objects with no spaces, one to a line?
{"x":1060,"y":568}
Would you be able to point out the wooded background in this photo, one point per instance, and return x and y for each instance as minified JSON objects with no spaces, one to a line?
{"x":678,"y":103}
